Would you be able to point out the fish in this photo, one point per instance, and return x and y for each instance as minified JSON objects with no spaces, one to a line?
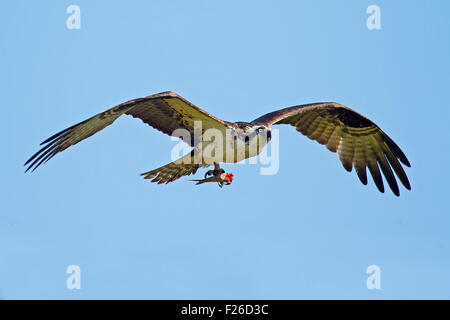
{"x":221,"y":179}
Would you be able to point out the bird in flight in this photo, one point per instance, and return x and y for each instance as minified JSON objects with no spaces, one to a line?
{"x":359,"y":142}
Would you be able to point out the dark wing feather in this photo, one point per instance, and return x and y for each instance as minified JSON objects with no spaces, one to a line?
{"x":164,"y":111}
{"x":168,"y":112}
{"x":359,"y":142}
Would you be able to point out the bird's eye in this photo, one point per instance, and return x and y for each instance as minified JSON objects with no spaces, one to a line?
{"x":260,"y":129}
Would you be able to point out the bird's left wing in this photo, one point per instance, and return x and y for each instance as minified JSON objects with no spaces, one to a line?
{"x":359,"y":142}
{"x":164,"y":111}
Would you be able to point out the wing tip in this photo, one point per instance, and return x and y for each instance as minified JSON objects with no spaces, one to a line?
{"x":405,"y":162}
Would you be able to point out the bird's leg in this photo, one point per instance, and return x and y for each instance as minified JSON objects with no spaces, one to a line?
{"x":208,"y":173}
{"x":217,"y":169}
{"x":216,"y":172}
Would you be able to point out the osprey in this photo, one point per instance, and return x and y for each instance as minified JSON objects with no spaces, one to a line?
{"x":359,"y":142}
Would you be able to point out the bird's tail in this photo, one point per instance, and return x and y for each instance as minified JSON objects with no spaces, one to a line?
{"x":170,"y":172}
{"x":184,"y":166}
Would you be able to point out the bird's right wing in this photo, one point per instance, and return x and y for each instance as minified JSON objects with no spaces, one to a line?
{"x":164,"y":111}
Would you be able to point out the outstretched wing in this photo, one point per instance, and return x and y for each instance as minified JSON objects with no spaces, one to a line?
{"x":359,"y":142}
{"x":164,"y":111}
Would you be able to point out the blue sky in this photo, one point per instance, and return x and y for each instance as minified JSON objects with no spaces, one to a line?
{"x":310,"y":231}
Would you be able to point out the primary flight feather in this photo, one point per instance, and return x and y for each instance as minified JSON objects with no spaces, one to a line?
{"x":359,"y":142}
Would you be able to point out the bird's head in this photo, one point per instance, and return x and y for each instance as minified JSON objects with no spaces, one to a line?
{"x":257,"y":131}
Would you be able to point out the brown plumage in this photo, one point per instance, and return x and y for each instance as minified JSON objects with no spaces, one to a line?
{"x":164,"y":111}
{"x":358,"y":142}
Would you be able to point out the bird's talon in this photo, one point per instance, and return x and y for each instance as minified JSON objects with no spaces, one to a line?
{"x":217,"y":172}
{"x":209,"y":173}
